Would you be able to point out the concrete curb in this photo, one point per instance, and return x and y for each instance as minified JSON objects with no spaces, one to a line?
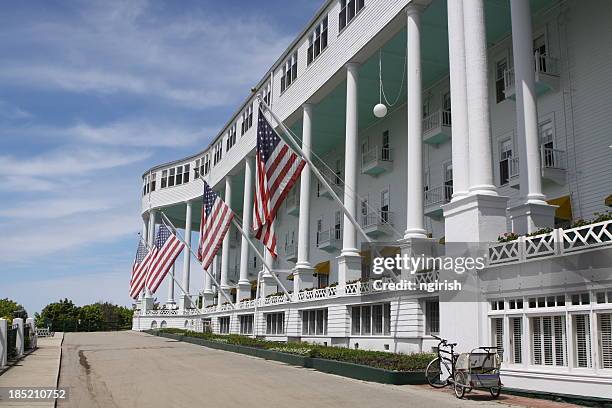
{"x":59,"y":368}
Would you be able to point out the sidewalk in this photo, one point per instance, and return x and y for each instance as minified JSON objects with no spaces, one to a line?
{"x":39,"y":369}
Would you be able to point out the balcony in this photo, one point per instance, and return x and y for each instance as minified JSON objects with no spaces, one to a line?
{"x":553,"y":164}
{"x":437,"y":127}
{"x":291,"y":252}
{"x":435,"y":198}
{"x":329,"y":240}
{"x":377,"y":223}
{"x":334,"y":181}
{"x":546,"y":76}
{"x":376,"y":161}
{"x":292,"y":202}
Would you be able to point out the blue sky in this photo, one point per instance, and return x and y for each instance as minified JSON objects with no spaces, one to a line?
{"x":91,"y":95}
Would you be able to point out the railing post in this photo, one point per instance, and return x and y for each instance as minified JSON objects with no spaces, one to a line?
{"x":20,"y":340}
{"x":559,"y":241}
{"x":522,"y":252}
{"x":3,"y":342}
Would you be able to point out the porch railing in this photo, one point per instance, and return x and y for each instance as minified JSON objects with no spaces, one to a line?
{"x":376,"y":154}
{"x":373,"y":219}
{"x":556,"y":243}
{"x":438,"y":195}
{"x":437,"y":119}
{"x":552,"y":158}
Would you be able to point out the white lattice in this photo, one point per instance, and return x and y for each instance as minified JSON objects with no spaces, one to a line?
{"x":504,"y":252}
{"x":540,"y":245}
{"x":593,"y":235}
{"x":162,"y":312}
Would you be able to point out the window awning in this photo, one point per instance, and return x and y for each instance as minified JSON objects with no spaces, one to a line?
{"x":609,"y":200}
{"x":322,"y":268}
{"x":564,"y":210}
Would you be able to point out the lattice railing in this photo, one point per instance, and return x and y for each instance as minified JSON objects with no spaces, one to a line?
{"x":162,"y":312}
{"x":316,"y":294}
{"x":555,"y":243}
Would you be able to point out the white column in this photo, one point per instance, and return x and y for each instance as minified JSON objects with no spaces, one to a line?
{"x":303,"y":269}
{"x":479,"y":121}
{"x":269,"y":284}
{"x":456,"y":62}
{"x":226,"y":246}
{"x":414,"y":103}
{"x":244,"y":286}
{"x":3,"y":342}
{"x":533,"y":213}
{"x":20,"y":333}
{"x":185,"y":301}
{"x":349,"y":262}
{"x":171,"y":273}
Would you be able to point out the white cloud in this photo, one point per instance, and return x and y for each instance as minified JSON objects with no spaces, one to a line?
{"x":68,"y":161}
{"x":54,"y":208}
{"x":8,"y":111}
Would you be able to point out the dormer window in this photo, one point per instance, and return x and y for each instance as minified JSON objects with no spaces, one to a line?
{"x":289,"y":71}
{"x":317,"y":41}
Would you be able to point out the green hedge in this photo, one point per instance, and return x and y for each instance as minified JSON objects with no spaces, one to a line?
{"x":379,"y":359}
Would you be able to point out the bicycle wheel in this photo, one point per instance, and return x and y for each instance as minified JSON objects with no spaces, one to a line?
{"x":433,"y":373}
{"x":495,"y":391}
{"x":460,"y":381}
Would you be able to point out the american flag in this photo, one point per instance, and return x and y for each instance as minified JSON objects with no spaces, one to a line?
{"x":277,"y":170}
{"x":165,"y":251}
{"x":139,"y":269}
{"x":214,"y":224}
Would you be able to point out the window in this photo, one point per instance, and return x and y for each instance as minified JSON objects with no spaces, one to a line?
{"x":338,"y":225}
{"x":505,"y":157}
{"x":196,"y":170}
{"x":582,"y":341}
{"x":516,"y":340}
{"x":497,"y":326}
{"x":275,"y":323}
{"x":545,"y":133}
{"x":171,"y":177}
{"x":246,"y":324}
{"x":218,"y":153}
{"x":548,"y":341}
{"x":338,"y":173}
{"x":186,"y":173}
{"x":432,"y":317}
{"x":179,"y":176}
{"x":231,"y":135}
{"x":448,"y":181}
{"x":224,"y":325}
{"x":497,"y":305}
{"x":605,"y":339}
{"x":247,"y":121}
{"x":164,"y":179}
{"x":149,"y":183}
{"x":384,"y":205}
{"x":547,"y":301}
{"x":371,"y":320}
{"x":322,"y":280}
{"x":386,"y":147}
{"x":580,"y":299}
{"x":314,"y":322}
{"x":317,"y":41}
{"x":289,"y":71}
{"x":500,"y":68}
{"x":267,"y":94}
{"x":348,"y":11}
{"x":515,"y":303}
{"x":206,"y":164}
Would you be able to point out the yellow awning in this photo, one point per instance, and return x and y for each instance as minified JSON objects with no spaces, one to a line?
{"x":609,"y":200}
{"x":564,"y":210}
{"x":322,"y":268}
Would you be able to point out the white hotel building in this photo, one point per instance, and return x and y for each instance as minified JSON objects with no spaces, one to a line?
{"x":503,"y":122}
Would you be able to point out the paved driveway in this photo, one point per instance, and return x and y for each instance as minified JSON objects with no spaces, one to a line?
{"x":129,"y":369}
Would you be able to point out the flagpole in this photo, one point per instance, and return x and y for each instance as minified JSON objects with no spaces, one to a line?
{"x":180,"y":237}
{"x":263,"y":260}
{"x":255,"y":319}
{"x":295,"y":146}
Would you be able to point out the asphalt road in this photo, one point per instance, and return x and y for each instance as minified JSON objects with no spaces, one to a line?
{"x":129,"y":369}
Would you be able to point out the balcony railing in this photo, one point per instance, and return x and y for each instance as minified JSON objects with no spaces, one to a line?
{"x":377,"y":223}
{"x":556,"y":243}
{"x":552,"y":158}
{"x":437,"y":127}
{"x":547,"y":74}
{"x":376,"y":160}
{"x":438,"y":195}
{"x":329,"y":239}
{"x":317,"y":294}
{"x":334,"y":179}
{"x":291,"y":251}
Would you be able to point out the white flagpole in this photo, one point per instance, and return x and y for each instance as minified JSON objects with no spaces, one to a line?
{"x":180,"y":237}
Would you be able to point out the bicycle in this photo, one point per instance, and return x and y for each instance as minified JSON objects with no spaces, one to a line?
{"x":433,"y":372}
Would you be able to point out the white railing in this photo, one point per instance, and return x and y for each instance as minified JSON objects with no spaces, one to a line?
{"x":291,"y":250}
{"x":508,"y":79}
{"x":246,"y":304}
{"x":556,"y":243}
{"x":513,"y":167}
{"x":552,"y":158}
{"x":317,"y":294}
{"x":546,"y":65}
{"x":273,"y":300}
{"x":438,"y":195}
{"x":225,"y":307}
{"x":436,"y":120}
{"x":376,"y":219}
{"x":162,"y":312}
{"x":376,"y":154}
{"x":328,"y":236}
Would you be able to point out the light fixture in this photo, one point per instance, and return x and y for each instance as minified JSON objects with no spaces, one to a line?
{"x":380,"y":110}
